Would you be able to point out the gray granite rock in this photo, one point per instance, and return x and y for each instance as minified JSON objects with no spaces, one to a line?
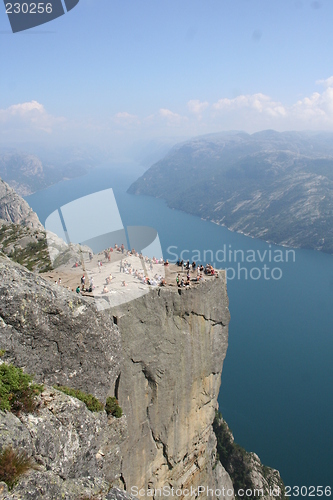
{"x":13,"y":208}
{"x":77,"y":451}
{"x":56,"y":335}
{"x":174,"y":343}
{"x":163,"y":360}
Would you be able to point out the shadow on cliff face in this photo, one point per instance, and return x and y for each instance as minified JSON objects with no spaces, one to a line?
{"x":87,"y":239}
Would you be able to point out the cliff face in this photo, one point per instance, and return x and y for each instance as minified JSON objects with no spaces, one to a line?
{"x":76,"y":451}
{"x":15,"y":209}
{"x":174,"y":343}
{"x":162,"y":359}
{"x":56,"y":335}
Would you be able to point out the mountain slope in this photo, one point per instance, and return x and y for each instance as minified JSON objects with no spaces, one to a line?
{"x":14,"y":209}
{"x":28,"y":173}
{"x":270,"y":185}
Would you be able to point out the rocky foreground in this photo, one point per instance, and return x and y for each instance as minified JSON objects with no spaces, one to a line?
{"x":160,"y":355}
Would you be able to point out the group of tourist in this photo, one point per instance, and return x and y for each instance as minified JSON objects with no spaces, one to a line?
{"x":127,"y":267}
{"x":207,"y":269}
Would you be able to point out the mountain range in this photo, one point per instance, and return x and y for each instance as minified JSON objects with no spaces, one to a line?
{"x":28,"y":171}
{"x":269,"y":185}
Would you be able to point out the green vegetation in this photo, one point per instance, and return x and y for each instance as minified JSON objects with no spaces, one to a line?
{"x":17,"y":392}
{"x":92,"y":403}
{"x":13,"y":464}
{"x":33,"y":254}
{"x":112,"y":407}
{"x":232,"y":456}
{"x":238,"y":463}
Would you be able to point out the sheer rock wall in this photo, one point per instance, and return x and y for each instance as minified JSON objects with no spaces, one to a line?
{"x":174,"y":342}
{"x":163,"y":360}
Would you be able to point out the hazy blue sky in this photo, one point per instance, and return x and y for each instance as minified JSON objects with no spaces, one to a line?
{"x":115,"y":71}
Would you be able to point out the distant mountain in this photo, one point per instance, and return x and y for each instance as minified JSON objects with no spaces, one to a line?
{"x":27,"y":173}
{"x":270,"y":185}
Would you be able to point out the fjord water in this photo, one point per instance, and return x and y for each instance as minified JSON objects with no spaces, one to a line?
{"x":277,"y":379}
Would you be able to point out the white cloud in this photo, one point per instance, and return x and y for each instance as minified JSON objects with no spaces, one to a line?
{"x":250,"y":112}
{"x":259,"y":103}
{"x":171,"y":118}
{"x":258,"y":111}
{"x":197,"y":107}
{"x":327,"y":83}
{"x":126,"y":119}
{"x":24,"y":108}
{"x":29,"y":116}
{"x":317,"y":107}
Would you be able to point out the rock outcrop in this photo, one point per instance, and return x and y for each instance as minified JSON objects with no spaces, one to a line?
{"x":76,"y":451}
{"x":250,"y":477}
{"x":174,"y":342}
{"x":161,"y":355}
{"x":15,"y":209}
{"x":162,"y":359}
{"x":55,"y":334}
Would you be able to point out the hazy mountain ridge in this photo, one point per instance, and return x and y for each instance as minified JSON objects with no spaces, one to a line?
{"x":269,"y":185}
{"x":27,"y":172}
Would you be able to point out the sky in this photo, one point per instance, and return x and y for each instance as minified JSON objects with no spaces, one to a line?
{"x":121,"y":72}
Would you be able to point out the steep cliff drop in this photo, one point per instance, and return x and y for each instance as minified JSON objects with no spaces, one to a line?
{"x":160,"y":355}
{"x":174,"y":342}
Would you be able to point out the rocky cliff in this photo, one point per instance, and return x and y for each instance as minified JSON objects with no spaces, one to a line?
{"x":161,"y":355}
{"x":15,"y":209}
{"x":174,"y":343}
